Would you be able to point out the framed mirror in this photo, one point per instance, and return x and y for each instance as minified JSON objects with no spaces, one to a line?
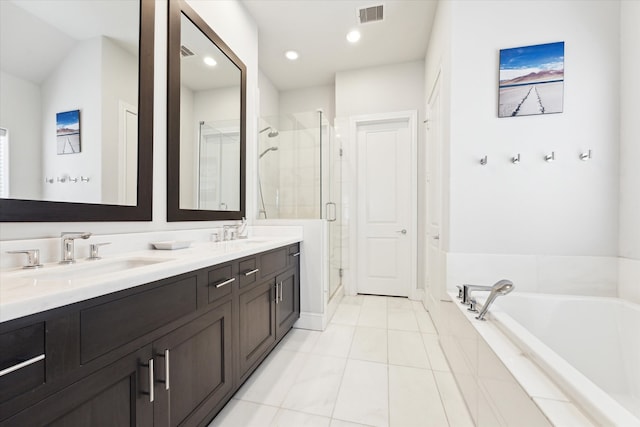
{"x":76,"y":119}
{"x":206,"y":122}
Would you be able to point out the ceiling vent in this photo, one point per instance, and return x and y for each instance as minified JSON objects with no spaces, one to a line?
{"x":370,"y":14}
{"x":185,"y":51}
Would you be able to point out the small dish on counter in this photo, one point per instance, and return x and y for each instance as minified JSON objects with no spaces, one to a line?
{"x":171,"y":245}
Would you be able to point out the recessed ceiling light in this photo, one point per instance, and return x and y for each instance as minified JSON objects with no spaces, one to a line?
{"x":291,"y":55}
{"x":353,"y":36}
{"x":209,"y":61}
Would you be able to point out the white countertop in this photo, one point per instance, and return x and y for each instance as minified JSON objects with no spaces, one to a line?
{"x":24,"y":292}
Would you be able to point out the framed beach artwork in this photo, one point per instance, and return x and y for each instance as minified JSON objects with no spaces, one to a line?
{"x":531,"y":80}
{"x":68,"y":132}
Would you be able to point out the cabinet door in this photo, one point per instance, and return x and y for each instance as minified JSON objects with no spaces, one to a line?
{"x":257,"y":324}
{"x":116,"y":395}
{"x":288,"y":305}
{"x":193,"y":369}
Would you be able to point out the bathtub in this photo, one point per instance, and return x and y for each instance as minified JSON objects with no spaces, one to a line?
{"x":588,"y":346}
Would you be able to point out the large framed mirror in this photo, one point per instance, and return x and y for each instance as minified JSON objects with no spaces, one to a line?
{"x":76,"y":112}
{"x":206,"y":122}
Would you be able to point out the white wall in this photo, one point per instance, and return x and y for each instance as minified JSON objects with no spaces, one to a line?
{"x":568,"y":207}
{"x":76,"y":84}
{"x":629,"y":286}
{"x":21,"y":114}
{"x":384,"y":89}
{"x":269,"y":97}
{"x":119,"y":83}
{"x":236,"y":27}
{"x":309,"y":99}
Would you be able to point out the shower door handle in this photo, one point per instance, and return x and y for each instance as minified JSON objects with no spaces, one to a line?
{"x":327,"y":211}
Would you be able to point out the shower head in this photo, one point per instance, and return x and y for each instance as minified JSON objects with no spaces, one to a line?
{"x":266,"y":151}
{"x":271,"y":134}
{"x":502,"y":287}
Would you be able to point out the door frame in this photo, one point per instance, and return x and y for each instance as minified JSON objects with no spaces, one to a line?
{"x":350,"y":172}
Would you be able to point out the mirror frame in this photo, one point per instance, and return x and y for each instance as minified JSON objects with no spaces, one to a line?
{"x":174,"y":212}
{"x":22,"y":210}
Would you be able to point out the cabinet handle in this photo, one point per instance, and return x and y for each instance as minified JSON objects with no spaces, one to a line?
{"x":277,"y":293}
{"x":281,"y":291}
{"x":249,"y":273}
{"x":21,"y":365}
{"x":166,"y":369}
{"x":151,"y":381}
{"x":296,"y":254}
{"x":225,"y":282}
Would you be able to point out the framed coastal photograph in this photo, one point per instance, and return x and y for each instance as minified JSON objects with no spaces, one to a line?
{"x":531,"y":80}
{"x":68,"y":132}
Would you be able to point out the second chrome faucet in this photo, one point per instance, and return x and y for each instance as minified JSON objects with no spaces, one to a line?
{"x":68,"y":250}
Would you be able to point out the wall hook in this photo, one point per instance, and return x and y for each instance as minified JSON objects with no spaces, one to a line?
{"x":585,"y":156}
{"x":483,"y":161}
{"x":550,"y":157}
{"x":515,"y":160}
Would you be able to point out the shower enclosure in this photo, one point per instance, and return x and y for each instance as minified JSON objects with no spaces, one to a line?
{"x":300,"y":177}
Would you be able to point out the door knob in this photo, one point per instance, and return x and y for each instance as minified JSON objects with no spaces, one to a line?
{"x":403,"y":231}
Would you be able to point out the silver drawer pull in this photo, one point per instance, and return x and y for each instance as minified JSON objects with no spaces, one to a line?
{"x":21,"y":365}
{"x":166,"y":369}
{"x":249,"y":273}
{"x":296,"y":254}
{"x":226,"y":282}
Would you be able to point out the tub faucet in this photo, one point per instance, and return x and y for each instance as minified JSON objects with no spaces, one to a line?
{"x":68,"y":238}
{"x":502,"y":287}
{"x":467,"y":289}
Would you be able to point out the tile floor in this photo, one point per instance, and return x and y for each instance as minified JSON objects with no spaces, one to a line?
{"x":378,"y":363}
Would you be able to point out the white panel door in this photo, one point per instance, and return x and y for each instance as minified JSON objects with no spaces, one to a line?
{"x":385,"y":206}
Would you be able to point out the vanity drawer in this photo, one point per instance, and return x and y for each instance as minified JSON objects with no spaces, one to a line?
{"x":294,"y":254}
{"x":248,"y":271}
{"x":22,"y":360}
{"x":220,"y":282}
{"x":108,"y":326}
{"x":273,"y":261}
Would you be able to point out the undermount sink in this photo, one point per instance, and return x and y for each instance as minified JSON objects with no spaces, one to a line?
{"x":90,"y":269}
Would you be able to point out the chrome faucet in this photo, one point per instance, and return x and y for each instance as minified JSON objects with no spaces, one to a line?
{"x":502,"y":287}
{"x":68,"y":238}
{"x":241,"y":229}
{"x":467,"y":289}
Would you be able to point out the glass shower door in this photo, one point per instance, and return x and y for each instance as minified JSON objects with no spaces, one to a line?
{"x":333,"y":180}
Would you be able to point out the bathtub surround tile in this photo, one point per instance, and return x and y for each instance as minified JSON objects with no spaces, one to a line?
{"x":414,"y":399}
{"x":436,"y":357}
{"x":512,"y":403}
{"x":406,"y":348}
{"x":486,"y":269}
{"x":316,"y":387}
{"x":578,"y":275}
{"x":564,"y":414}
{"x":364,"y":395}
{"x":629,"y":279}
{"x":245,"y":414}
{"x":369,"y":344}
{"x":425,"y":324}
{"x":454,"y":405}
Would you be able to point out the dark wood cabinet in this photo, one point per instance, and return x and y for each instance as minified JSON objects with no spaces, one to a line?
{"x":166,"y":353}
{"x":193,"y":369}
{"x":287,"y":301}
{"x":257,"y":324}
{"x":116,"y":395}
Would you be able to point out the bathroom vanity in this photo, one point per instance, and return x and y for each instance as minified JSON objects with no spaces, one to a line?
{"x":170,"y":351}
